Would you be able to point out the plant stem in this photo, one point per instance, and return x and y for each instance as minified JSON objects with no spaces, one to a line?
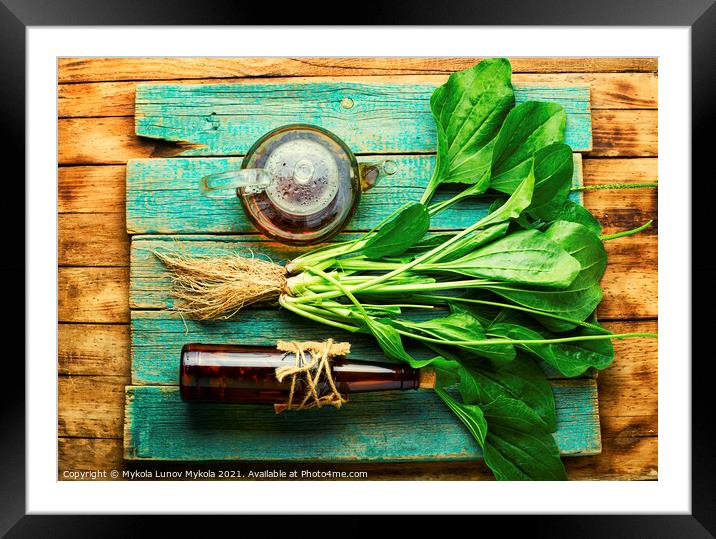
{"x":430,"y":189}
{"x":397,"y":288}
{"x":615,"y":186}
{"x":298,"y":310}
{"x":517,"y":308}
{"x":474,"y":189}
{"x":607,"y":237}
{"x":490,"y":342}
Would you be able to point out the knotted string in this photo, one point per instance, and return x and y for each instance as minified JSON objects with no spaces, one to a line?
{"x":310,"y":372}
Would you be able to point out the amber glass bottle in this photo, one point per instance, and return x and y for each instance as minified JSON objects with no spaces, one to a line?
{"x":247,"y":374}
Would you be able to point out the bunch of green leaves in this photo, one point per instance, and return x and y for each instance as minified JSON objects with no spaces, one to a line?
{"x":492,"y":304}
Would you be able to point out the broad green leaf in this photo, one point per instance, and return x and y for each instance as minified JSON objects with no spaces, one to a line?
{"x":470,"y":414}
{"x":482,"y":381}
{"x":469,"y":243}
{"x":553,"y":170}
{"x":513,"y":207}
{"x":576,"y":213}
{"x":528,"y":128}
{"x":469,"y":110}
{"x":519,"y":445}
{"x":582,"y":244}
{"x":578,"y":300}
{"x":460,"y":326}
{"x":526,"y":257}
{"x":400,"y":233}
{"x":571,"y":359}
{"x":391,"y":343}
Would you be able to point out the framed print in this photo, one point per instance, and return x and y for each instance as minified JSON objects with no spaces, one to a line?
{"x":447,"y":250}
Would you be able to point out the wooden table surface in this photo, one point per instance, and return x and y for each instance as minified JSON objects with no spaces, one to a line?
{"x":96,"y":138}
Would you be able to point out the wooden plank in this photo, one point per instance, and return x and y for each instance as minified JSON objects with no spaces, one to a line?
{"x":157,"y":338}
{"x":93,"y":349}
{"x":91,"y":189}
{"x":101,"y":189}
{"x":629,"y":284}
{"x":616,"y":209}
{"x":113,"y":69}
{"x":387,"y":426}
{"x":84,"y":141}
{"x":99,"y":455}
{"x":90,"y":406}
{"x":607,"y":90}
{"x":629,"y":459}
{"x":619,"y":209}
{"x":94,"y":410}
{"x":226,"y":119}
{"x":163,"y":196}
{"x":629,"y":442}
{"x":92,"y":239}
{"x":92,"y":294}
{"x":625,"y":132}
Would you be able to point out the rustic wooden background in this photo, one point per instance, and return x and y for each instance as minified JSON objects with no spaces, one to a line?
{"x":96,"y":138}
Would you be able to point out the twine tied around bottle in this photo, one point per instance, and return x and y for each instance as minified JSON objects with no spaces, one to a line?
{"x":311,"y":372}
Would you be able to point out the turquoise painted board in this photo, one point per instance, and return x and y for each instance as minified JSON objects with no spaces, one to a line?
{"x":223,"y":120}
{"x":226,"y":119}
{"x":163,"y":197}
{"x":157,"y":338}
{"x":390,"y":426}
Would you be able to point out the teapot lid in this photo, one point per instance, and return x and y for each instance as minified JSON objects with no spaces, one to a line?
{"x":307,"y":165}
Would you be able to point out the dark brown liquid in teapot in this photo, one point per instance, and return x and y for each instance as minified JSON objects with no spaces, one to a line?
{"x":315,"y":187}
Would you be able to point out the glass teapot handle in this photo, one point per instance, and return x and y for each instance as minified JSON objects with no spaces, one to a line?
{"x":370,"y":173}
{"x":226,"y":184}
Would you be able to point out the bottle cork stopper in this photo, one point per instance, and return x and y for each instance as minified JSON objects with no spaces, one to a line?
{"x":427,"y":377}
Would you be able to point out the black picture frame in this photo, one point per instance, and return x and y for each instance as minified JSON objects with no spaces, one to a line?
{"x":699,"y":15}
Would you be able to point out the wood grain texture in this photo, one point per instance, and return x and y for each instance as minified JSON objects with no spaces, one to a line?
{"x":607,"y":90}
{"x":92,"y":294}
{"x":622,"y":209}
{"x":635,"y":460}
{"x":91,"y":189}
{"x":83,"y":141}
{"x":629,"y":442}
{"x":624,"y":133}
{"x":114,"y":69}
{"x":90,"y":406}
{"x":388,"y":426}
{"x":157,"y":338}
{"x":77,"y":455}
{"x":628,"y":393}
{"x":93,"y":349}
{"x":226,"y":119}
{"x":616,"y":209}
{"x":629,"y":283}
{"x":163,"y":197}
{"x":92,"y":239}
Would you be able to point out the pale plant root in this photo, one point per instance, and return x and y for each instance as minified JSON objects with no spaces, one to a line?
{"x":211,"y":288}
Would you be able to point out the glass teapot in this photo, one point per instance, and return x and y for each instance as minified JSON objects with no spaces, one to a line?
{"x":298,"y":184}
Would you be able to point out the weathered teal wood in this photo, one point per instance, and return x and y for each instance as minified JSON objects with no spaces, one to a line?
{"x":163,"y":197}
{"x":157,"y":338}
{"x":226,"y":119}
{"x":386,"y":426}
